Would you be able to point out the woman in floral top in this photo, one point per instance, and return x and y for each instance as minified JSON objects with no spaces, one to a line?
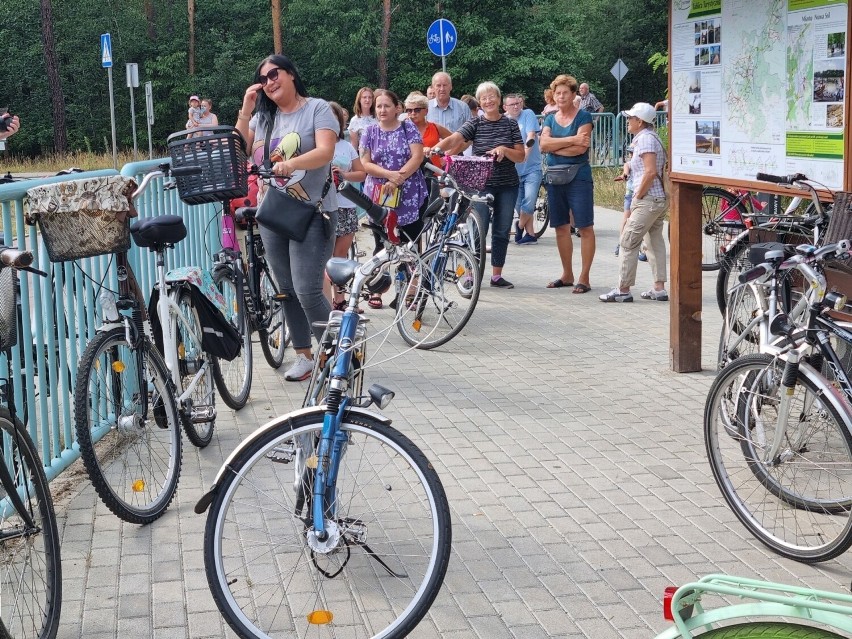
{"x":391,"y":152}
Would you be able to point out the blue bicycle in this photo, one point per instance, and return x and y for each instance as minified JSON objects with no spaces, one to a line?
{"x":328,"y":522}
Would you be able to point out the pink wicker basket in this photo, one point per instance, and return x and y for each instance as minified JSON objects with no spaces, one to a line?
{"x":471,"y":172}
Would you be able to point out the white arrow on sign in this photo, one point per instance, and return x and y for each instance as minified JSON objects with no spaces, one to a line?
{"x":619,"y":70}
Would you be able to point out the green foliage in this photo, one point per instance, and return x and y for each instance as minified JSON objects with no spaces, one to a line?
{"x":519,"y":44}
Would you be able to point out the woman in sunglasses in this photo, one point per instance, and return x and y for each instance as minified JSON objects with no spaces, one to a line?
{"x":416,"y":108}
{"x":302,"y":132}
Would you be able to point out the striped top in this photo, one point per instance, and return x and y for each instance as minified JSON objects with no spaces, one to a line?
{"x":646,"y":141}
{"x":489,"y":134}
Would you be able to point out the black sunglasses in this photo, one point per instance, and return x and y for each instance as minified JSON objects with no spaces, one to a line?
{"x":272,"y":76}
{"x":415,"y":110}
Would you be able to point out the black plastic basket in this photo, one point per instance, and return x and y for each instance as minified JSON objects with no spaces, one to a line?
{"x":220,"y":152}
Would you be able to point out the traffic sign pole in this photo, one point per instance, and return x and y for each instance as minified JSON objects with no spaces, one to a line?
{"x":149,"y":115}
{"x":106,"y":62}
{"x":619,"y":70}
{"x":133,"y":81}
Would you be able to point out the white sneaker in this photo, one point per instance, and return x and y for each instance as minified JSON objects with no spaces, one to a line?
{"x":300,"y":370}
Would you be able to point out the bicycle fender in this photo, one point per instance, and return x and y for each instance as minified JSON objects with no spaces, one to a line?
{"x":206,"y":499}
{"x":832,"y":392}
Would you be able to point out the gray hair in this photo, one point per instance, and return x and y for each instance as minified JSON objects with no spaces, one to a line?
{"x":416,"y":99}
{"x":486,"y":87}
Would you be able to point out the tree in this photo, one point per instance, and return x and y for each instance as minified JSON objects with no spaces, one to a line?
{"x":51,"y":63}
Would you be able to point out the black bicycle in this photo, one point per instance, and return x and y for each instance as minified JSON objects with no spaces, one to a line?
{"x":30,"y":565}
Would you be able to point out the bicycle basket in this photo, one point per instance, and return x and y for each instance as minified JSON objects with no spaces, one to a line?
{"x":83,"y":218}
{"x":471,"y":172}
{"x":8,"y":308}
{"x":220,"y":152}
{"x":840,"y":222}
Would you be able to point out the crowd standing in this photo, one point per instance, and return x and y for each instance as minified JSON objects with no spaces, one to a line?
{"x":388,"y":138}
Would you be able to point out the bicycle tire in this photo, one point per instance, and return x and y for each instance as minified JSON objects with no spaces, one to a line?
{"x":716,"y":205}
{"x":768,"y":630}
{"x":257,"y":514}
{"x":734,"y":342}
{"x":274,"y":337}
{"x":130,"y":442}
{"x":541,"y":214}
{"x":800,"y":504}
{"x":30,"y":562}
{"x":475,"y":237}
{"x":190,"y":358}
{"x":438,"y":305}
{"x":233,"y":378}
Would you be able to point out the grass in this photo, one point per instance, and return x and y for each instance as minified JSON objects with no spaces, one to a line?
{"x":608,"y":192}
{"x":51,"y":164}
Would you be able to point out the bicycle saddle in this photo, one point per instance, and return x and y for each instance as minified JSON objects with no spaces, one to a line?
{"x":340,"y":270}
{"x":757,"y":253}
{"x":153,"y":232}
{"x":245,"y":213}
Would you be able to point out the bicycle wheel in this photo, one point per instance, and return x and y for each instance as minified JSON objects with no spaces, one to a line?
{"x":273,"y":337}
{"x":734,"y":263}
{"x":439,"y":299}
{"x":474,"y":237}
{"x":30,"y":565}
{"x":233,"y":378}
{"x":722,"y":216}
{"x":799,"y":504}
{"x":740,"y":332}
{"x":133,"y":456}
{"x":767,"y":630}
{"x":391,"y":531}
{"x":541,"y":214}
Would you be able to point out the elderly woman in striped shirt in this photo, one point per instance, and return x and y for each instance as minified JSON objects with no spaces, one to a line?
{"x":494,"y":134}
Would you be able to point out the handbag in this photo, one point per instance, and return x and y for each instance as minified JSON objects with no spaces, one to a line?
{"x":561,"y":174}
{"x":286,"y":215}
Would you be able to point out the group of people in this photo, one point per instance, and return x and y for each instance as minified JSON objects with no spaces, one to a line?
{"x":388,"y":140}
{"x":200,"y":114}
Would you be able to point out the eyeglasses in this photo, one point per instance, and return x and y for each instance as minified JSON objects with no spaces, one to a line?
{"x":272,"y":76}
{"x":512,"y":104}
{"x":415,"y":110}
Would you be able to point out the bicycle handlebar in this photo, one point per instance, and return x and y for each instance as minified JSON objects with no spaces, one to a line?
{"x":376,"y":213}
{"x":165,"y":170}
{"x":781,"y":179}
{"x":15,"y":258}
{"x":837,"y":251}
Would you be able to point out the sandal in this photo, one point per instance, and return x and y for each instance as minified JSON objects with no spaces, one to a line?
{"x":558,"y":283}
{"x":581,"y":288}
{"x":375,"y":301}
{"x":339,"y":306}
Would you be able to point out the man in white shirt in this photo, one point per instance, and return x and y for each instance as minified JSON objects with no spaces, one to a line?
{"x":445,"y":110}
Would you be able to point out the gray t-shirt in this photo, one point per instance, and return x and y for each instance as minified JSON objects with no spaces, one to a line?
{"x":295,"y":134}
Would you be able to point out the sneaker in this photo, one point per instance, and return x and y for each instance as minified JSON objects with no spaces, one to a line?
{"x":643,"y":257}
{"x":300,"y":370}
{"x":519,"y":233}
{"x":529,"y":239}
{"x":615,"y":295}
{"x":660,"y":296}
{"x":617,"y":249}
{"x":501,"y":282}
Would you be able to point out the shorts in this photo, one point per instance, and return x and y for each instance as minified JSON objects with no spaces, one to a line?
{"x":528,"y":192}
{"x":628,"y":200}
{"x":347,"y":222}
{"x":577,"y":197}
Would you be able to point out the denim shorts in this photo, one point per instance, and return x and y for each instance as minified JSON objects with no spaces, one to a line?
{"x":628,"y":200}
{"x":577,"y":197}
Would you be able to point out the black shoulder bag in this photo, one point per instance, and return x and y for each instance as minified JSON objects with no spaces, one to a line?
{"x":284,"y":214}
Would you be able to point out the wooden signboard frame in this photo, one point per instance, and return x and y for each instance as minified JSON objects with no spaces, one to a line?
{"x":686,"y":222}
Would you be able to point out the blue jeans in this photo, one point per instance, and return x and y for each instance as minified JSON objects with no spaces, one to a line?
{"x":504,"y":211}
{"x":299,"y":269}
{"x":528,"y":192}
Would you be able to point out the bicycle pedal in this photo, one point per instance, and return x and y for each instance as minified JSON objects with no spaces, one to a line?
{"x":280,"y":297}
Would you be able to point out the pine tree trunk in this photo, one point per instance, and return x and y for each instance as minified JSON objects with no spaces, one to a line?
{"x":383,"y":51}
{"x":150,"y":14}
{"x":277,"y":43}
{"x":54,"y":82}
{"x":191,"y":13}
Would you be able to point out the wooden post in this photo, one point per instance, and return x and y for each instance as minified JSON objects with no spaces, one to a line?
{"x":191,"y":13}
{"x":277,"y":42}
{"x":685,"y":304}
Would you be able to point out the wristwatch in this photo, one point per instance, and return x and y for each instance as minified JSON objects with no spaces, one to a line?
{"x":530,"y":142}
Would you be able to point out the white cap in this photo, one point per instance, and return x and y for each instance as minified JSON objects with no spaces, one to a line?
{"x":193,"y":97}
{"x":643,"y":111}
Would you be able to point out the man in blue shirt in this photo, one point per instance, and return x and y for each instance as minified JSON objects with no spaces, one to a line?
{"x":529,"y":171}
{"x":447,"y":111}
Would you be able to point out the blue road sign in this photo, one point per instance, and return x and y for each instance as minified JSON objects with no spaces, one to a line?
{"x":441,"y":36}
{"x":106,"y":51}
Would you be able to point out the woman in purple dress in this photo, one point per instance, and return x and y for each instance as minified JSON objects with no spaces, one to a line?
{"x":391,"y":152}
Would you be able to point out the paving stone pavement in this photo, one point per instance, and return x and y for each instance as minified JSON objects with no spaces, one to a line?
{"x":572,"y":456}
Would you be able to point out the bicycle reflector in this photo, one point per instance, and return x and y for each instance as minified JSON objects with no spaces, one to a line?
{"x":668,"y":594}
{"x":391,"y":226}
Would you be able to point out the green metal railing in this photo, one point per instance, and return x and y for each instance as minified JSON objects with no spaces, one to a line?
{"x":61,"y":313}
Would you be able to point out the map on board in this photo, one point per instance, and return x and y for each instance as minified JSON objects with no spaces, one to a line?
{"x":753,"y":82}
{"x":800,"y":73}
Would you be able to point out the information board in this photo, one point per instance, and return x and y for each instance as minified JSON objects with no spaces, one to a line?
{"x":758,"y":85}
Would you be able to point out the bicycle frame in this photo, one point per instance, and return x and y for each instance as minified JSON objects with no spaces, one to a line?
{"x":768,"y":600}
